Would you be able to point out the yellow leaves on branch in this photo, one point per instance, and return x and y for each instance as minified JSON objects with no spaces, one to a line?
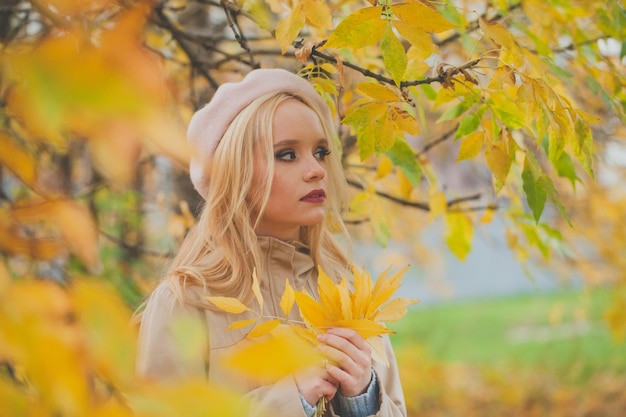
{"x":71,"y":346}
{"x":379,"y":119}
{"x":18,"y":160}
{"x":107,"y":88}
{"x":371,"y":25}
{"x":366,"y":26}
{"x":313,"y":12}
{"x":65,"y":224}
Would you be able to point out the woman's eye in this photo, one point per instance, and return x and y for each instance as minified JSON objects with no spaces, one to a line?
{"x":286,"y":155}
{"x":322,"y":153}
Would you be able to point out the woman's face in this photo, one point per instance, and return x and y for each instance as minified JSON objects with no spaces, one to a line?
{"x":298,"y":194}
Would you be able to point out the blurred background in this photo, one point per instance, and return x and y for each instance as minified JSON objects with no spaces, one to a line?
{"x":519,"y":315}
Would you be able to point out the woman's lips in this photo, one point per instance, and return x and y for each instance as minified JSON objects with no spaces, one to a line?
{"x":315,"y":196}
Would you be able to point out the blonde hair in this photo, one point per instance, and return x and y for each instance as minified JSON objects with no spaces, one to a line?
{"x":221,"y":252}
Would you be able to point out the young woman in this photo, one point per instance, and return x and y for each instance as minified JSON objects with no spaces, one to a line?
{"x":265,"y":159}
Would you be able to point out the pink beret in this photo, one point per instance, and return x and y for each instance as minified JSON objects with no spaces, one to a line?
{"x":208,"y":124}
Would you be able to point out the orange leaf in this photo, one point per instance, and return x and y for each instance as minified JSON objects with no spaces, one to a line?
{"x":72,"y":220}
{"x":12,"y":242}
{"x":17,"y":160}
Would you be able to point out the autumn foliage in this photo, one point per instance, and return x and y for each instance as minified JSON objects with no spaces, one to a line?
{"x":452,"y":114}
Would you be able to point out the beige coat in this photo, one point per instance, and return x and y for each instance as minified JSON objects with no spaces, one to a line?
{"x":160,"y":356}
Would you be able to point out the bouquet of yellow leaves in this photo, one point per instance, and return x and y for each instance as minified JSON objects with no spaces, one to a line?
{"x":364,"y":308}
{"x":287,"y":344}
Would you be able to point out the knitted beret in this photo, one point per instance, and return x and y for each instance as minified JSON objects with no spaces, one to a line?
{"x":208,"y":124}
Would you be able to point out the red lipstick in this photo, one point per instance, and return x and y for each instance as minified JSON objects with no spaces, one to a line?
{"x":315,"y":196}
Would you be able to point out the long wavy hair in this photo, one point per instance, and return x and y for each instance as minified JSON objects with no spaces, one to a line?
{"x":221,"y":252}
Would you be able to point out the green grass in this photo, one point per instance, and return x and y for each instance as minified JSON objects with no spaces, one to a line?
{"x":561,"y":333}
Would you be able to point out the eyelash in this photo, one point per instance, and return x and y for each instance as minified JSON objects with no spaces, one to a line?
{"x":321,"y":154}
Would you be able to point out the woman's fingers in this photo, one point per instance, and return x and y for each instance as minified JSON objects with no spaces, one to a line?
{"x":351,"y":359}
{"x":316,"y":382}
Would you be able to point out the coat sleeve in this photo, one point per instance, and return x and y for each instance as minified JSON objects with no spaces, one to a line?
{"x":391,"y":397}
{"x":172,"y":341}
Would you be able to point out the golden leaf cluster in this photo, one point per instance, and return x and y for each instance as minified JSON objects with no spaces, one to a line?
{"x":70,"y":350}
{"x":364,"y":308}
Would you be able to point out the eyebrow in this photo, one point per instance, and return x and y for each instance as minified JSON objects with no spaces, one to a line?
{"x":291,"y":142}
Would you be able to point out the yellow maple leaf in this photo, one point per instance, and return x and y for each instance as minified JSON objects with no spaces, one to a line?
{"x":366,"y":302}
{"x":362,"y":309}
{"x":312,"y":312}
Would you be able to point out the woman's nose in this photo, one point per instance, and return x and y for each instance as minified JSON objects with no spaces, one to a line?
{"x":314,"y":170}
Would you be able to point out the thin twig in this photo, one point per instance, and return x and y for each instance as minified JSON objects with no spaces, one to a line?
{"x":231,"y":15}
{"x":386,"y":80}
{"x":125,"y":245}
{"x":437,"y":141}
{"x":421,"y":205}
{"x":398,"y":200}
{"x":163,"y":21}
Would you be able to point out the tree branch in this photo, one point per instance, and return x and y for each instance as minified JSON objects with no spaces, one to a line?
{"x":426,"y":206}
{"x":437,"y":141}
{"x":134,"y":248}
{"x":164,"y":22}
{"x":441,"y":78}
{"x":231,"y":15}
{"x":474,"y":25}
{"x":401,"y":201}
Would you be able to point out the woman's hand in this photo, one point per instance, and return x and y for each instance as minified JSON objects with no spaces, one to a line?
{"x":315,"y":382}
{"x":351,"y":359}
